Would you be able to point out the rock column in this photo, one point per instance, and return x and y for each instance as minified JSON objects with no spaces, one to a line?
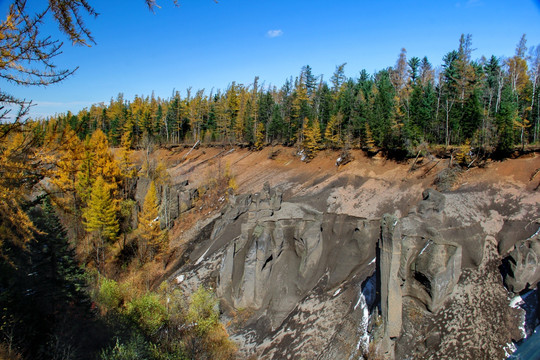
{"x":391,"y":297}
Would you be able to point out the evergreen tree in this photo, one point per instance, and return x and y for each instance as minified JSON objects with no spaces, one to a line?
{"x":450,"y":93}
{"x":276,"y":129}
{"x":471,"y":116}
{"x":414,"y":67}
{"x":505,"y":121}
{"x":383,"y":109}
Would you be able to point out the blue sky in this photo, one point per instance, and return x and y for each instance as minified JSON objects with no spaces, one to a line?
{"x":203,"y":44}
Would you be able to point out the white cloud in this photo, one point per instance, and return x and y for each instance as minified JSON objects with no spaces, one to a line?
{"x":274,"y":33}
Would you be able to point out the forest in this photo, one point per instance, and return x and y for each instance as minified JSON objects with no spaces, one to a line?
{"x":88,"y":258}
{"x":491,"y":104}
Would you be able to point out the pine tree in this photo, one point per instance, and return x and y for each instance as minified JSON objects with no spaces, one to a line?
{"x":506,"y":117}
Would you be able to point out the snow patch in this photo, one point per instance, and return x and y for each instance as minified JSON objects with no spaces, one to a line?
{"x":202,"y":257}
{"x":509,"y":349}
{"x":535,"y":234}
{"x":363,"y":341}
{"x":424,"y":248}
{"x":180,"y":278}
{"x":372,"y":261}
{"x":366,"y":296}
{"x":336,"y":293}
{"x":516,"y":301}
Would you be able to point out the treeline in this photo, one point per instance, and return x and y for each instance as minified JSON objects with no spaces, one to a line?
{"x":491,"y":103}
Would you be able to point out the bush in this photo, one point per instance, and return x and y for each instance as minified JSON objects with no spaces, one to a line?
{"x":203,"y":310}
{"x":135,"y":348}
{"x":148,"y":312}
{"x":109,"y":294}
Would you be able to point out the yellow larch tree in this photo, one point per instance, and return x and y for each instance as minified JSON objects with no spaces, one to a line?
{"x":332,"y":134}
{"x":15,"y":226}
{"x":151,"y":238}
{"x":98,"y":161}
{"x":312,"y":138}
{"x":100,"y":217}
{"x":66,"y":171}
{"x":259,"y":136}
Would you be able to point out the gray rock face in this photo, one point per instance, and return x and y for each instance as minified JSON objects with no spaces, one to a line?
{"x":175,"y":199}
{"x":429,"y":265}
{"x":416,"y":261}
{"x":390,"y":258}
{"x":524,"y":264}
{"x":290,"y":246}
{"x":437,"y":268}
{"x":297,"y":271}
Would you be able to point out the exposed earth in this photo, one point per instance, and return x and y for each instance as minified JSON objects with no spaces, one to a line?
{"x":372,"y":259}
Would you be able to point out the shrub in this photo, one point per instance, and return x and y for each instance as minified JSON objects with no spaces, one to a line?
{"x":109,"y":295}
{"x":203,"y":310}
{"x":135,"y":348}
{"x":148,"y":312}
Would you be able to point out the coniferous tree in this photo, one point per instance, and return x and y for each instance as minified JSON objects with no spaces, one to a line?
{"x":471,"y":116}
{"x":312,"y":138}
{"x":332,"y":132}
{"x":383,"y":108}
{"x":151,"y":239}
{"x":100,"y":217}
{"x":505,"y":121}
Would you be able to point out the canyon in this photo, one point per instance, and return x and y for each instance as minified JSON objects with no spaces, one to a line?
{"x":369,"y":258}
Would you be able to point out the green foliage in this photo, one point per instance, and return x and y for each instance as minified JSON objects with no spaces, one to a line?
{"x":135,"y":348}
{"x":203,"y":310}
{"x":403,"y":106}
{"x":110,"y":294}
{"x":505,"y":121}
{"x":148,"y":312}
{"x":43,"y":296}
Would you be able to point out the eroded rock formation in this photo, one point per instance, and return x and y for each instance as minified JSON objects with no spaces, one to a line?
{"x":291,"y":246}
{"x":296,"y":276}
{"x":524,"y":264}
